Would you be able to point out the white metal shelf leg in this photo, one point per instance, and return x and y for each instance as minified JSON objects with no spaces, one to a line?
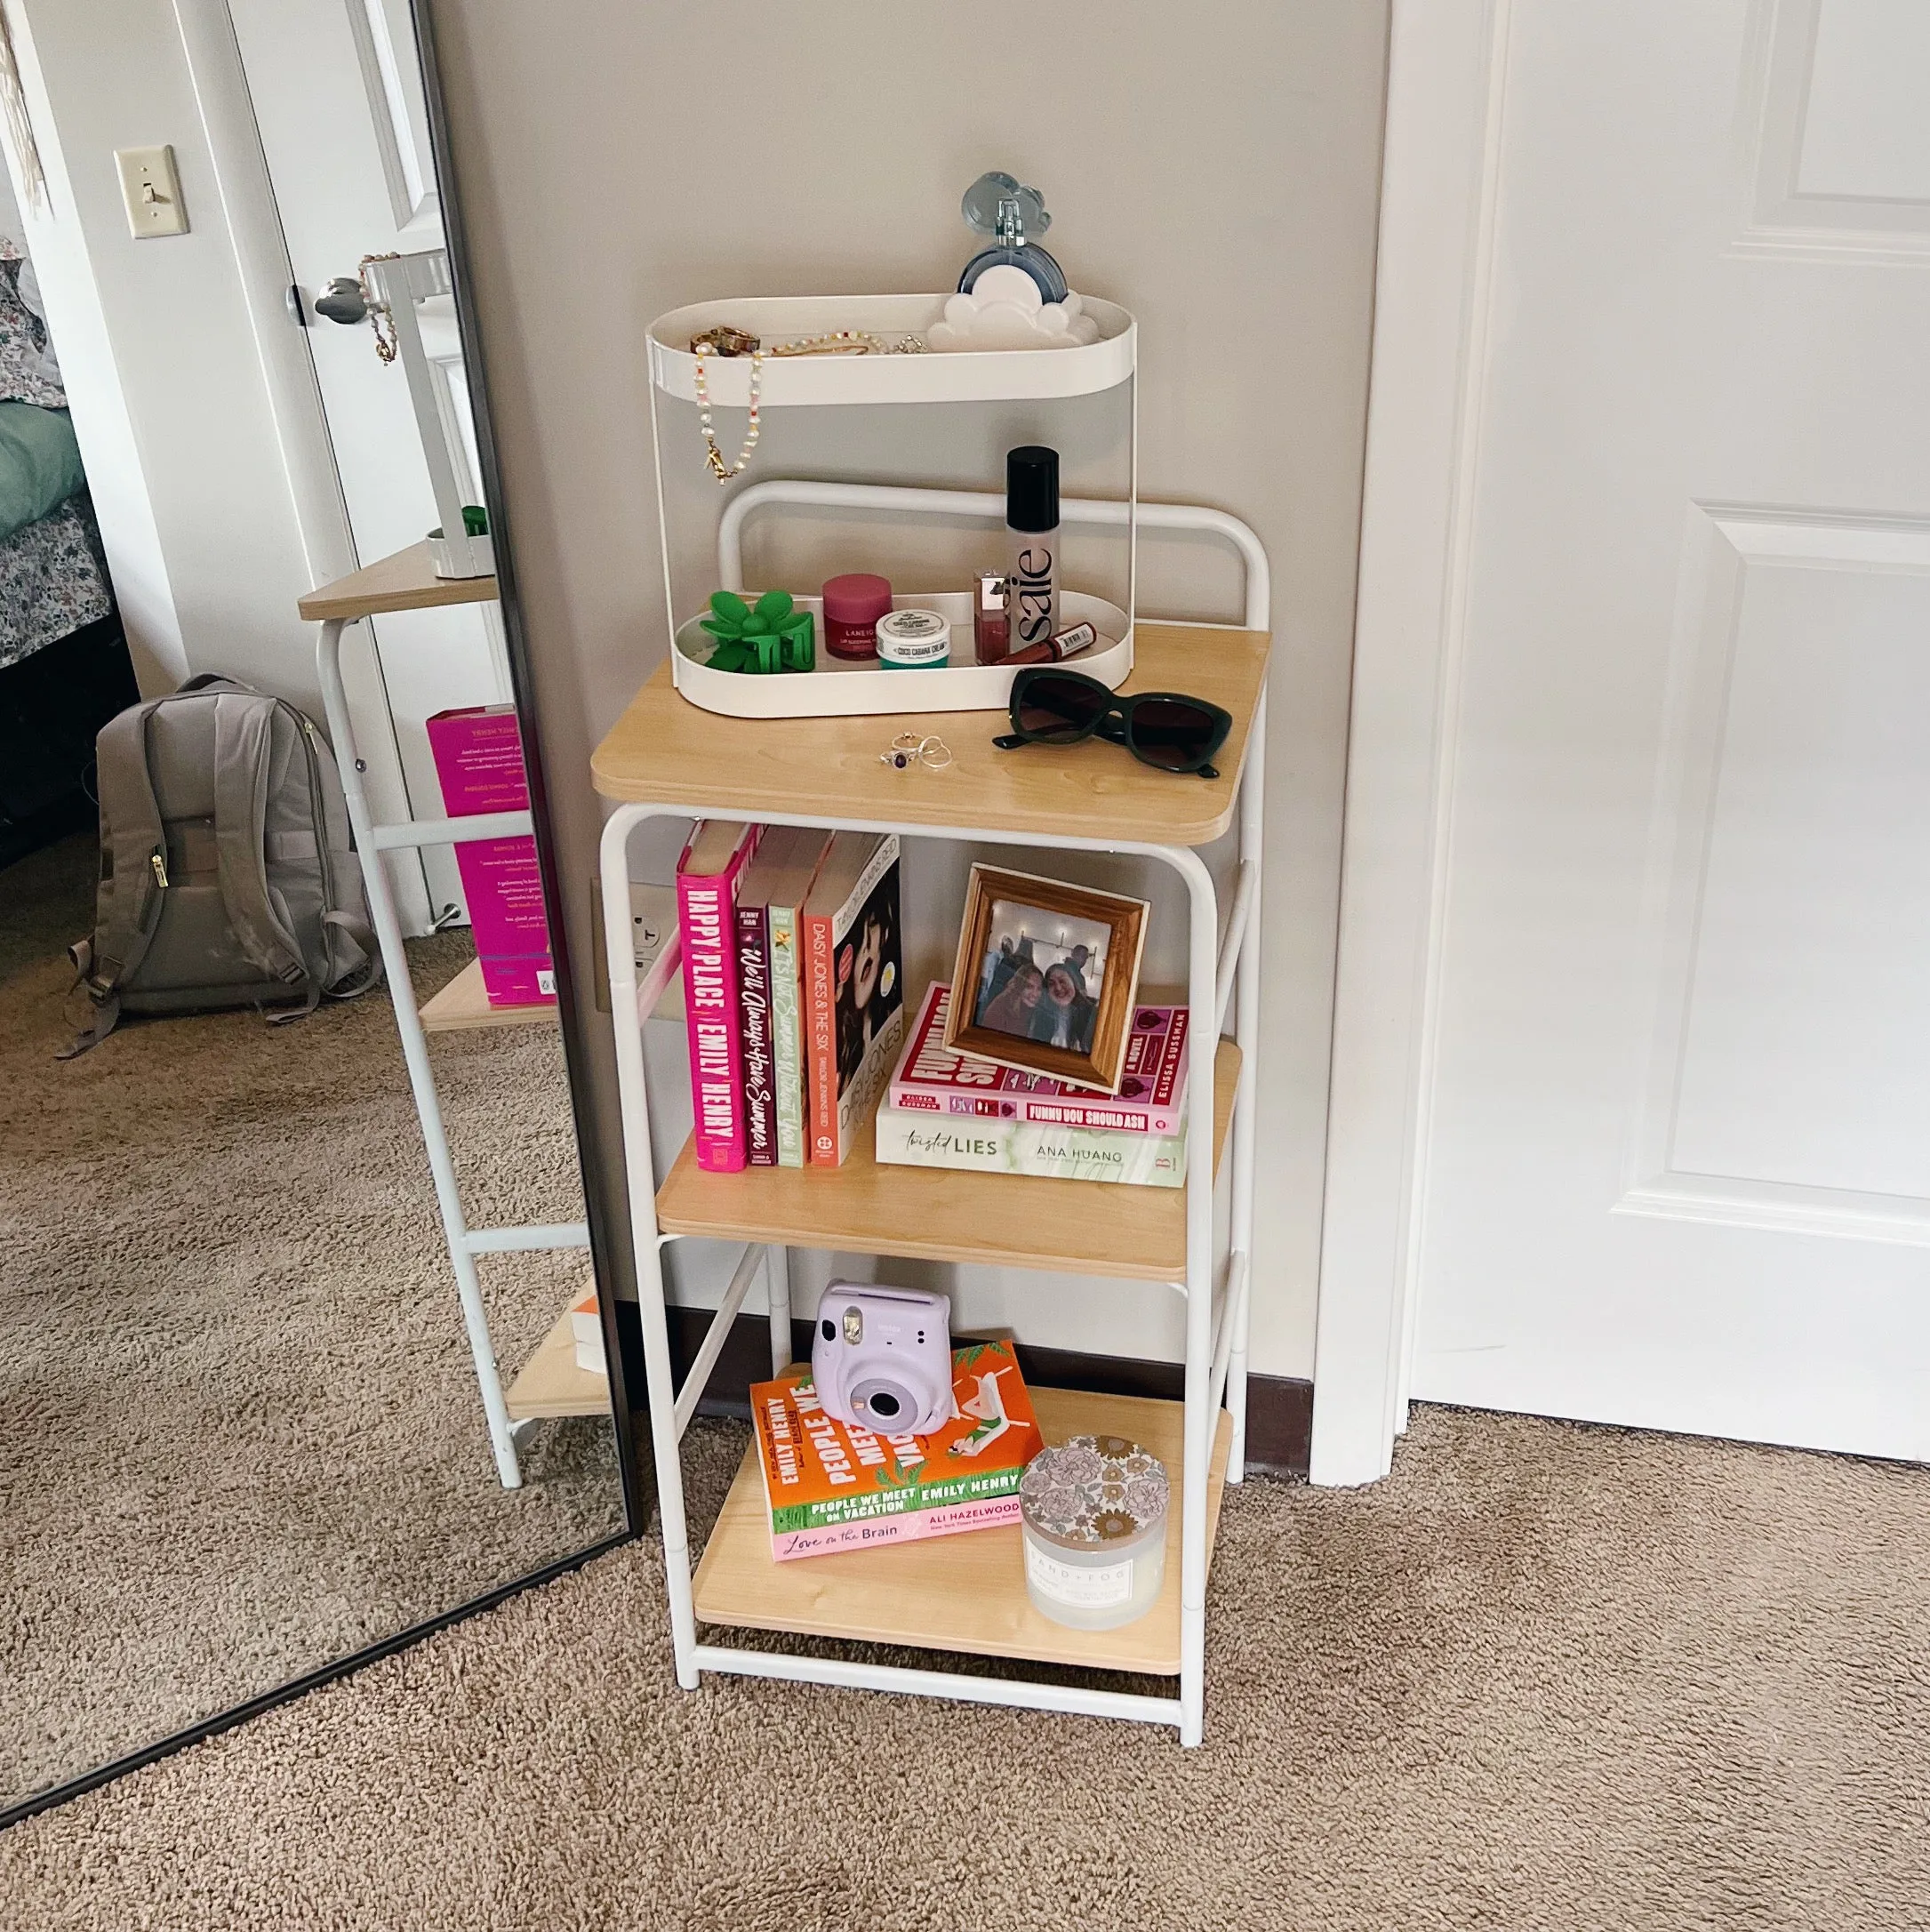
{"x":640,"y":1173}
{"x":1203,"y":997}
{"x":415,"y":1054}
{"x":777,"y":1275}
{"x":1246,"y":1031}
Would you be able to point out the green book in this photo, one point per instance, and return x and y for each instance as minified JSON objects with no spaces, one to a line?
{"x":786,"y":1015}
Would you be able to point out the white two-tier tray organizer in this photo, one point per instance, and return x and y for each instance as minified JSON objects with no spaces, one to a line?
{"x":838,"y":687}
{"x":668,"y":757}
{"x":457,"y":571}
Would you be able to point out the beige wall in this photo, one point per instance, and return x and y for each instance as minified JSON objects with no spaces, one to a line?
{"x":1213,"y":168}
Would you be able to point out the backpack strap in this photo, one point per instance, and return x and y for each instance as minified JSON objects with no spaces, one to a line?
{"x":134,"y":853}
{"x":353,"y":984}
{"x":242,"y":740}
{"x":136,"y":848}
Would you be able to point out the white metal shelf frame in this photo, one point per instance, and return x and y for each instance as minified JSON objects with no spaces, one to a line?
{"x":1223,"y":970}
{"x":398,"y":285}
{"x":464,"y":1242}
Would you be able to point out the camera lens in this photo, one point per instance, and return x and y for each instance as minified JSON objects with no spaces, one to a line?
{"x":886,"y":1404}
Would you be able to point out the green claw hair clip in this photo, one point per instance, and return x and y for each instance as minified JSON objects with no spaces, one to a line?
{"x":773,"y":636}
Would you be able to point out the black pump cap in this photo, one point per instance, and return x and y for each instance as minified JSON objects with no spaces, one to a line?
{"x":1032,"y":487}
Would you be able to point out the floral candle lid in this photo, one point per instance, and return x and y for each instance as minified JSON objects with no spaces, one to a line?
{"x":1092,"y":1491}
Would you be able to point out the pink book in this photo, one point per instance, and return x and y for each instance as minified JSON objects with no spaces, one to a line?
{"x":706,"y":876}
{"x":930,"y":1077}
{"x":479,"y":765}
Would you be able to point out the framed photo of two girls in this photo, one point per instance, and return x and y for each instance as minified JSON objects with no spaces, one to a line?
{"x":1045,"y":977}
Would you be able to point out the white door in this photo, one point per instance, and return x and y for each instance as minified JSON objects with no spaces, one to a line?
{"x":1668,"y":1113}
{"x":338,"y":99}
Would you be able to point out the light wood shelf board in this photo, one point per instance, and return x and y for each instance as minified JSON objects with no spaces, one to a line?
{"x":665,"y":750}
{"x":464,"y":1003}
{"x":552,"y":1385}
{"x":928,"y":1214}
{"x":405,"y":581}
{"x":960,"y":1593}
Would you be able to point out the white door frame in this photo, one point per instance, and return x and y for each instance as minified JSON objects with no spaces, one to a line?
{"x":321,"y":515}
{"x":1446,"y":60}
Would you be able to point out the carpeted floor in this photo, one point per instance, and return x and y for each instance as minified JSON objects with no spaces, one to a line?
{"x":239,"y":1430}
{"x":1544,"y":1677}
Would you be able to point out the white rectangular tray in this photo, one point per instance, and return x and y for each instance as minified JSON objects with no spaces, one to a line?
{"x":840,"y":688}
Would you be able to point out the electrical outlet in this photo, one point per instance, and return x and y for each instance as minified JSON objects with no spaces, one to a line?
{"x":152,"y":190}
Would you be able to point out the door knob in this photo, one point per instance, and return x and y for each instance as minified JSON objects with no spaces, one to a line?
{"x":342,"y":301}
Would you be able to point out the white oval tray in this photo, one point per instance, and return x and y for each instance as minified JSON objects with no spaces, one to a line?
{"x":961,"y":376}
{"x":840,"y":688}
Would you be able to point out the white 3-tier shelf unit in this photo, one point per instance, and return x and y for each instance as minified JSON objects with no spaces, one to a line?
{"x":667,"y":758}
{"x":550,"y":1382}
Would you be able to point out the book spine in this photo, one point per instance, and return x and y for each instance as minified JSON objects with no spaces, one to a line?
{"x":754,"y":1002}
{"x":960,"y":1102}
{"x":788,"y":1075}
{"x":707,"y":933}
{"x":916,"y":1499}
{"x":917,"y":1140}
{"x":984,"y":1104}
{"x":910,"y":1527}
{"x":821,"y":1038}
{"x":1103,"y":1117}
{"x":856,"y":1101}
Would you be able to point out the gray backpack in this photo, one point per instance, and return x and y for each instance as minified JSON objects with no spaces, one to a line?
{"x":228,"y":878}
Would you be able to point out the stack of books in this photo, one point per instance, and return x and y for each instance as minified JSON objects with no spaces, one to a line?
{"x":948,"y":1110}
{"x":793,"y":989}
{"x":831,"y":1486}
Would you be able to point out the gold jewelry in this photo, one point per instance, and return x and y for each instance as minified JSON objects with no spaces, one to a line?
{"x":725,"y":341}
{"x":713,"y":455}
{"x":380,"y":318}
{"x":909,"y":748}
{"x":849,"y":342}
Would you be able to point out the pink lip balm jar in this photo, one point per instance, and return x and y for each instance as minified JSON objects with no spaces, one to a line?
{"x":853,"y":606}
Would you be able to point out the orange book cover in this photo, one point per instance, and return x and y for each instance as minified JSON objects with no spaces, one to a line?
{"x":831,"y":1486}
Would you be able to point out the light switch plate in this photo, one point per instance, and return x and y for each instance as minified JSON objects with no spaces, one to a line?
{"x":152,"y":190}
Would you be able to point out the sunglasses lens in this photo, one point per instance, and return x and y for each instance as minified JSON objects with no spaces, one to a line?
{"x":1172,"y":734}
{"x":1058,"y":710}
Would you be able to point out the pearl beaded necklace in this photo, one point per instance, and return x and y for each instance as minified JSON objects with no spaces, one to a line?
{"x":713,"y":455}
{"x":734,"y":341}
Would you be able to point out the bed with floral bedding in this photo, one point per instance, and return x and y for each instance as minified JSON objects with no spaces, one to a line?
{"x":64,"y":668}
{"x":53,"y":579}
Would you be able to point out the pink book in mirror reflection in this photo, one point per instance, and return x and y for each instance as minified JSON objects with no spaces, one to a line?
{"x":479,"y":763}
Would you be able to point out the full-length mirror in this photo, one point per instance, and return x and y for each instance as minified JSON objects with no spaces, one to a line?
{"x":301,"y":1347}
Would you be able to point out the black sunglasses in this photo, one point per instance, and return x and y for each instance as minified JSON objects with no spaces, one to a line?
{"x":1163,"y":729}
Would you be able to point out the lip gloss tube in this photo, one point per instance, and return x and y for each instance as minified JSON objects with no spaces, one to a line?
{"x":991,"y":617}
{"x":1069,"y":643}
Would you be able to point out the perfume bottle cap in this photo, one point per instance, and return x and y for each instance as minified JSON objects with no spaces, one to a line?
{"x":1032,"y":487}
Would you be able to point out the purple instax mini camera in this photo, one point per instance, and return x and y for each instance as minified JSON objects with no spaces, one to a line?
{"x":881,"y":1357}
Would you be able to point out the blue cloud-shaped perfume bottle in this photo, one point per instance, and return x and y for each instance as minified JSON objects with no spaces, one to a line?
{"x":998,"y":205}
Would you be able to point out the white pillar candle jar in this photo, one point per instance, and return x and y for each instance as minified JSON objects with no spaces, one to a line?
{"x":1093,"y":1512}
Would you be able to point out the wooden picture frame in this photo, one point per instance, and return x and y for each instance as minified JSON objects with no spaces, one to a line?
{"x":982,"y":981}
